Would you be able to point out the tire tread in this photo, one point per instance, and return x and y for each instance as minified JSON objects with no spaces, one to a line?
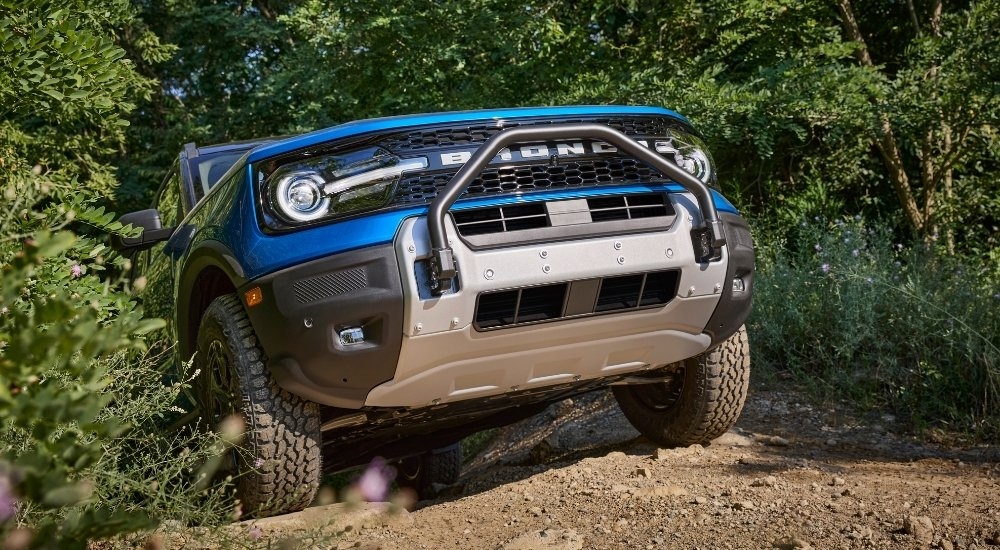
{"x":715,"y":388}
{"x":282,"y":430}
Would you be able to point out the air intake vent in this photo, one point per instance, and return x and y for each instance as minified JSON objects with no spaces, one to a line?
{"x":501,"y":219}
{"x":506,"y":308}
{"x":526,"y":305}
{"x":518,"y":217}
{"x":619,"y":293}
{"x":628,"y":207}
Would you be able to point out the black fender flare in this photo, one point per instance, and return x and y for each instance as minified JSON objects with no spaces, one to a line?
{"x":211,"y":270}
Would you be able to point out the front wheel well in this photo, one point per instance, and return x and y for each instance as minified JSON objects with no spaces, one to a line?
{"x":211,"y":283}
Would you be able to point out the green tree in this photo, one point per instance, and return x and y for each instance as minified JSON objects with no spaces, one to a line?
{"x":208,"y":87}
{"x":935,"y":110}
{"x":810,"y":107}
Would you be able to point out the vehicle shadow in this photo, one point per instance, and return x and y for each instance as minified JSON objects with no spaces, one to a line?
{"x":777,"y":431}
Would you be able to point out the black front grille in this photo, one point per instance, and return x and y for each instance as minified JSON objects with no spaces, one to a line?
{"x":511,"y":179}
{"x":521,"y":306}
{"x":433,"y":138}
{"x":574,"y":172}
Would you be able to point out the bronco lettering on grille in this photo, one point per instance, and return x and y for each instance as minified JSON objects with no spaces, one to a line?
{"x":664,"y":146}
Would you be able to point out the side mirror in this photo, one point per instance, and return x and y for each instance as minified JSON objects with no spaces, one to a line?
{"x":152,"y":231}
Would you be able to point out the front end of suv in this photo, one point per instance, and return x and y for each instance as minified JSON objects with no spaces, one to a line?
{"x":400,"y":283}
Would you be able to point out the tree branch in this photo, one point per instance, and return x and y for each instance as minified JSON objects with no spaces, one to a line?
{"x":936,"y":18}
{"x":913,"y":16}
{"x":928,"y":174}
{"x":853,"y":31}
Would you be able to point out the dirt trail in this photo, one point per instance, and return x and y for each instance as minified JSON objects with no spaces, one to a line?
{"x":789,"y":476}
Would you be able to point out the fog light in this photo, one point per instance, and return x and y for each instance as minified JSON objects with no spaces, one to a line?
{"x":738,"y":284}
{"x":353,"y":335}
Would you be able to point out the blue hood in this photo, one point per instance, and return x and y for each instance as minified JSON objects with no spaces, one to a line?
{"x":408,"y":121}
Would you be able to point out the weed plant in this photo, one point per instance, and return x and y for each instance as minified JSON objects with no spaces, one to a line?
{"x":854,"y":314}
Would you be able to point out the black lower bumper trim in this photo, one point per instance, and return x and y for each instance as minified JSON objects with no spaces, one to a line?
{"x":735,"y":304}
{"x":332,"y":328}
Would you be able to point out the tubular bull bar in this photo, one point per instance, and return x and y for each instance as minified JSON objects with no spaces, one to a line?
{"x":443,"y":266}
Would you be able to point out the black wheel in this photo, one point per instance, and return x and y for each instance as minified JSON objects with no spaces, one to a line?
{"x":422,"y":472}
{"x":701,"y":401}
{"x":277,"y":467}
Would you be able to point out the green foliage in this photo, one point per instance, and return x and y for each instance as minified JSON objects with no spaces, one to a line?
{"x":54,"y":373}
{"x":65,"y":89}
{"x":80,"y":448}
{"x":888,"y":325}
{"x":149,"y":471}
{"x":776,"y":89}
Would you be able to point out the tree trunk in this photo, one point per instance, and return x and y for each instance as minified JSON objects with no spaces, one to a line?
{"x":885,"y":140}
{"x":949,"y":232}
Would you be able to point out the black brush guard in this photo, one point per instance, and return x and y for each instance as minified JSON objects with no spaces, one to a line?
{"x":443,"y":267}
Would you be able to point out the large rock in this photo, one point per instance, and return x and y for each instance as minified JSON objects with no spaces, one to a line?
{"x":920,"y":527}
{"x":732,"y":439}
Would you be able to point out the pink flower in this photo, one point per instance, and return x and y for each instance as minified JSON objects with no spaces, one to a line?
{"x":8,"y":506}
{"x":258,"y":463}
{"x":373,"y":485}
{"x":76,"y":270}
{"x":255,"y":532}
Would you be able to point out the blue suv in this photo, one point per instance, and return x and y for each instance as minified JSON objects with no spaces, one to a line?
{"x":389,"y":286}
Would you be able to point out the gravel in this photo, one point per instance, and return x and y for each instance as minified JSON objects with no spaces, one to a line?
{"x":598,"y":484}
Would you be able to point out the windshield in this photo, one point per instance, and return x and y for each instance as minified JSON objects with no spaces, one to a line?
{"x":209,"y":168}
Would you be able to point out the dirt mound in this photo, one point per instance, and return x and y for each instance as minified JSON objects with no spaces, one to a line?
{"x":789,"y":475}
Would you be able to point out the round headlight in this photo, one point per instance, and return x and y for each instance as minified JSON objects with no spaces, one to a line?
{"x":695,"y":160}
{"x":299,"y":196}
{"x":689,"y":153}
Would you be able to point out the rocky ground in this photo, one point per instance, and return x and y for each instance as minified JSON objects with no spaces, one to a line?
{"x":789,"y":475}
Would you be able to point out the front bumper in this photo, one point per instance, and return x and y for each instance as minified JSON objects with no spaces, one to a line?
{"x":422,"y":350}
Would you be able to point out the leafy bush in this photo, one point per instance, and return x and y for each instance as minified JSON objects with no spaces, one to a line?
{"x":843,"y":304}
{"x":82,"y":452}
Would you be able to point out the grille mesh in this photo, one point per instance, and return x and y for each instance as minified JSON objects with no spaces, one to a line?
{"x":511,"y":179}
{"x":433,"y":138}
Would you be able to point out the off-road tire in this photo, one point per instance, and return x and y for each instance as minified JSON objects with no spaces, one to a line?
{"x":277,"y":466}
{"x":703,"y":401}
{"x":425,"y":472}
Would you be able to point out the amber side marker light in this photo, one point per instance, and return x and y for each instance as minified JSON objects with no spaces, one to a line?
{"x":253,"y":297}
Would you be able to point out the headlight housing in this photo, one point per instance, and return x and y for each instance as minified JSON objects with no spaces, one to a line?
{"x":689,"y":152}
{"x":334,"y":185}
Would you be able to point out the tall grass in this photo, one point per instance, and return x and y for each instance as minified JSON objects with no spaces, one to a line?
{"x":843,"y":306}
